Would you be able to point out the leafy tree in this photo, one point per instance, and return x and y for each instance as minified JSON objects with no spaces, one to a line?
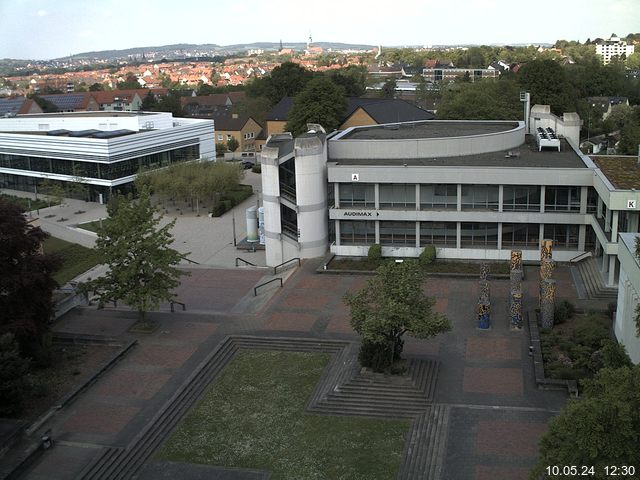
{"x":96,"y":87}
{"x":484,"y":100}
{"x":232,"y":144}
{"x":391,"y":304}
{"x":353,"y":79}
{"x":548,"y":85}
{"x":142,"y":265}
{"x":129,"y":83}
{"x":389,"y":88}
{"x":254,"y":107}
{"x":629,"y":140}
{"x":221,"y":148}
{"x":602,"y":428}
{"x":44,"y":104}
{"x":26,"y":283}
{"x":170,"y":103}
{"x":633,"y":61}
{"x":78,"y":185}
{"x":149,"y":102}
{"x":620,"y":116}
{"x":321,"y":101}
{"x":286,"y":80}
{"x":13,"y":371}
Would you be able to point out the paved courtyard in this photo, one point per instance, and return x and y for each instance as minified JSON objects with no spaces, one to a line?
{"x":485,"y":379}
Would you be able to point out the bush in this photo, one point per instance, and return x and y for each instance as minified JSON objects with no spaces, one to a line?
{"x":614,"y":355}
{"x":256,"y":168}
{"x":427,"y":256}
{"x":375,"y":253}
{"x":13,"y":376}
{"x":377,"y":356}
{"x":563,"y":311}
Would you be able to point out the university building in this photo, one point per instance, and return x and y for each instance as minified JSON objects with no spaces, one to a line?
{"x":474,"y":189}
{"x":103,"y":149}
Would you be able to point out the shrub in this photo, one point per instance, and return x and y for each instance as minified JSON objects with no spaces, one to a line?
{"x":375,"y":253}
{"x":614,"y":355}
{"x":377,"y":356}
{"x":13,"y":376}
{"x":427,"y":256}
{"x":563,"y":311}
{"x":256,"y":168}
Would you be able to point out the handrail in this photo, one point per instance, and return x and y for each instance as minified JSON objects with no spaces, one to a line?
{"x":172,"y":302}
{"x":577,"y":258}
{"x":284,"y":263}
{"x":255,"y":289}
{"x":245,"y":261}
{"x":184,"y":257}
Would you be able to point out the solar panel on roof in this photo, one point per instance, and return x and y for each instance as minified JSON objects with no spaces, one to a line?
{"x":83,"y":133}
{"x":65,"y":102}
{"x":113,"y":133}
{"x":58,"y":133}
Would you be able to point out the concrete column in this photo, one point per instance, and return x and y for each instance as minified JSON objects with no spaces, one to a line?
{"x":459,"y":199}
{"x":337,"y":229}
{"x":633,"y":222}
{"x":500,"y":229}
{"x":599,"y":208}
{"x":336,"y":195}
{"x":417,"y":234}
{"x":611,"y":281}
{"x":607,"y":221}
{"x":376,"y":196}
{"x":582,"y":236}
{"x":418,"y":196}
{"x":605,"y":259}
{"x":458,"y":234}
{"x":584,"y":192}
{"x":541,"y":233}
{"x":614,"y":226}
{"x":500,"y":202}
{"x":543,"y":192}
{"x":377,"y":230}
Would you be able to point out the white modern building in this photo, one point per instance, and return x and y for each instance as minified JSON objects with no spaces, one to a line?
{"x":474,"y":189}
{"x":105,"y":149}
{"x":613,"y":47}
{"x":628,"y":296}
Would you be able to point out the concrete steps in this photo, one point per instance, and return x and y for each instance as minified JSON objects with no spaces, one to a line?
{"x":424,"y":454}
{"x":593,"y":281}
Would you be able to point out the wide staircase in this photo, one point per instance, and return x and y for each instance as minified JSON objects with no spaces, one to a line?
{"x":594,"y":282}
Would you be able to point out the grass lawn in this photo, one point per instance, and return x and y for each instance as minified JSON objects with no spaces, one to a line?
{"x":76,"y":258}
{"x":27,"y":204}
{"x":439,"y":266}
{"x":253,"y":417}
{"x":92,"y":226}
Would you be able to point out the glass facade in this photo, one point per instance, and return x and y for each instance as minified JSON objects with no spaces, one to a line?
{"x":354,"y":232}
{"x":517,"y":198}
{"x":479,"y":235}
{"x":441,"y":234}
{"x":563,"y":236}
{"x":398,"y":234}
{"x":526,"y":235}
{"x":357,"y":195}
{"x":558,"y":199}
{"x":439,"y":197}
{"x":287,"y":173}
{"x":289,"y":222}
{"x":480,"y":197}
{"x":398,"y":195}
{"x":104,"y":171}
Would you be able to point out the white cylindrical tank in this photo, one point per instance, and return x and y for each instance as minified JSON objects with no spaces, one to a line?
{"x":252,"y":224}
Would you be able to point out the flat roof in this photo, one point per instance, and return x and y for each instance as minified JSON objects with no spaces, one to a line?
{"x":428,"y":129}
{"x":100,"y":113}
{"x":526,"y":155}
{"x":622,"y":172}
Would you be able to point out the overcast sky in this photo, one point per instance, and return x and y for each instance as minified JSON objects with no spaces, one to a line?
{"x":44,"y":29}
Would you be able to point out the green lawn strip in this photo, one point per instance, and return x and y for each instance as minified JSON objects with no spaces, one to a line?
{"x":253,"y":417}
{"x":92,"y":226}
{"x":26,"y":203}
{"x":76,"y":258}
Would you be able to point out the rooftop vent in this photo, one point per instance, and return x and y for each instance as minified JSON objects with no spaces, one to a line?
{"x":546,"y":138}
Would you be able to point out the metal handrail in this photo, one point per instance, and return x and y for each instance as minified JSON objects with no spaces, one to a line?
{"x":577,"y":258}
{"x":184,"y":257}
{"x":255,"y":289}
{"x":245,"y":261}
{"x":284,"y":263}
{"x":172,"y":302}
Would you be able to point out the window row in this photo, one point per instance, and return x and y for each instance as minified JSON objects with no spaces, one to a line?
{"x":473,"y":197}
{"x":106,"y":171}
{"x":444,"y":234}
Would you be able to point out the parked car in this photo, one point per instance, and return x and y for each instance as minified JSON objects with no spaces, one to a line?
{"x":247,"y":164}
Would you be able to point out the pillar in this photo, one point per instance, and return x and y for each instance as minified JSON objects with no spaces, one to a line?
{"x":584,"y":193}
{"x":543,"y":192}
{"x":459,"y":198}
{"x":546,"y":247}
{"x":515,"y":310}
{"x":483,"y":310}
{"x":614,"y":226}
{"x":611,"y":281}
{"x":500,"y":197}
{"x":582,"y":237}
{"x":547,"y":303}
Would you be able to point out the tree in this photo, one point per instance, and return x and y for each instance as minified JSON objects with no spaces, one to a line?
{"x":391,"y":304}
{"x":44,"y":104}
{"x":254,"y":107}
{"x":389,"y":88}
{"x":149,"y":102}
{"x":600,"y":429}
{"x":484,"y":100}
{"x":77,"y":187}
{"x":26,"y":283}
{"x":170,"y":103}
{"x":548,"y":85}
{"x":96,"y":87}
{"x":629,"y":140}
{"x":13,"y":371}
{"x":130,"y":82}
{"x":321,"y":101}
{"x":142,"y":265}
{"x":232,"y":144}
{"x":353,"y":79}
{"x":286,"y":80}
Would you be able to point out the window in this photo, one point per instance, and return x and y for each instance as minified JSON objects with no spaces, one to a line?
{"x":480,"y":197}
{"x":520,"y":235}
{"x":398,"y":195}
{"x":354,"y":232}
{"x":479,"y":235}
{"x":442,"y":234}
{"x":357,"y":195}
{"x":563,"y":236}
{"x":398,"y":234}
{"x":558,"y":199}
{"x":521,"y":198}
{"x":439,"y":197}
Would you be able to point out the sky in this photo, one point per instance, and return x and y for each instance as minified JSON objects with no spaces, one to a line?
{"x":45,"y":29}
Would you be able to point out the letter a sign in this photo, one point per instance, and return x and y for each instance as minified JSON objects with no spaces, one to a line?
{"x":355,"y":177}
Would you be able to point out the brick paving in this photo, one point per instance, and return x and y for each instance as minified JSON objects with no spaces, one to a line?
{"x":497,"y":413}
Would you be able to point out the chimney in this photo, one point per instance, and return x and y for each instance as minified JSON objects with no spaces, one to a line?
{"x":234,"y":115}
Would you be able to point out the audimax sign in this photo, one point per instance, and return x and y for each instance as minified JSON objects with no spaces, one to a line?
{"x":360,"y":214}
